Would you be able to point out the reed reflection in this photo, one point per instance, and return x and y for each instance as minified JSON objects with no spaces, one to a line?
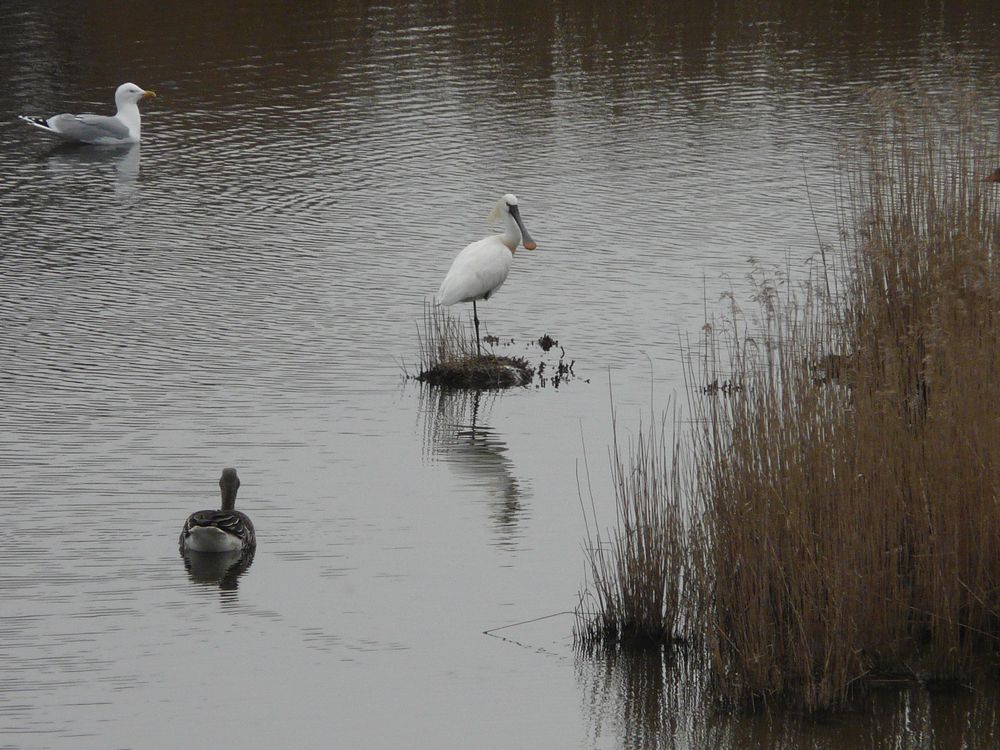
{"x":651,"y":699}
{"x":455,"y":432}
{"x":217,"y":568}
{"x":644,"y":698}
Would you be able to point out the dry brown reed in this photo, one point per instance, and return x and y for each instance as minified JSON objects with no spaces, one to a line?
{"x":848,"y":490}
{"x":638,"y":574}
{"x":443,"y":337}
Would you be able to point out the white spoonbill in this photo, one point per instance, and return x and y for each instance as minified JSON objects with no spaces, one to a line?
{"x":482,"y":267}
{"x":123,"y":127}
{"x":223,"y":530}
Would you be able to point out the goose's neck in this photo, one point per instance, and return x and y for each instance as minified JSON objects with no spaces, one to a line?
{"x":128,"y":113}
{"x":229,"y":498}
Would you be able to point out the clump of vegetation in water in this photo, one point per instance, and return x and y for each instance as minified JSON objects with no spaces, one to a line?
{"x":546,"y":342}
{"x":448,"y":357}
{"x":637,"y":596}
{"x":843,"y":521}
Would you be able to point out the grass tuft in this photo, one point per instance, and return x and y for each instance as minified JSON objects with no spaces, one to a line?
{"x":638,"y":574}
{"x":448,"y":357}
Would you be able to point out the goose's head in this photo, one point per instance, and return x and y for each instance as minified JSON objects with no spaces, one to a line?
{"x":229,"y":484}
{"x":129,"y":93}
{"x":507,"y":206}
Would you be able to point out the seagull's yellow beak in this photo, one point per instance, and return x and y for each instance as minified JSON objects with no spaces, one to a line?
{"x":149,"y":94}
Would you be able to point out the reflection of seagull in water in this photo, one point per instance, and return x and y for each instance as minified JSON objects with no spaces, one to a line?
{"x":123,"y":127}
{"x":76,"y":161}
{"x":478,"y":453}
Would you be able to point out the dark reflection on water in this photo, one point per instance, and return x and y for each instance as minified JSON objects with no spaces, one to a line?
{"x":644,"y":698}
{"x":456,"y":432}
{"x":217,"y":568}
{"x":652,"y":700}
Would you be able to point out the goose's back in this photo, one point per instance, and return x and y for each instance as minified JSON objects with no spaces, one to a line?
{"x":231,"y":522}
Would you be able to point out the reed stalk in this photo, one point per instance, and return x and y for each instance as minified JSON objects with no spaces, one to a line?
{"x":638,"y":573}
{"x":443,"y":338}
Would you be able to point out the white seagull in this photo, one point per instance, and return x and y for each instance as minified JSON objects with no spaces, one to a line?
{"x":223,"y":530}
{"x":124,"y":127}
{"x":482,"y":267}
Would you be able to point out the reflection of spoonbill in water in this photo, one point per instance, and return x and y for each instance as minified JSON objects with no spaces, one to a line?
{"x":123,"y":127}
{"x":482,"y":267}
{"x":456,"y":432}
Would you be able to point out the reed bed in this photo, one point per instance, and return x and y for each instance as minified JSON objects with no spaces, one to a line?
{"x":846,"y":488}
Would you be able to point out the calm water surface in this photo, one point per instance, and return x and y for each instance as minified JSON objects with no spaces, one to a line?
{"x":244,"y":289}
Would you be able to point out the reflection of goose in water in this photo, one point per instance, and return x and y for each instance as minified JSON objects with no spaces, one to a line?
{"x":453,"y":433}
{"x":222,"y":568}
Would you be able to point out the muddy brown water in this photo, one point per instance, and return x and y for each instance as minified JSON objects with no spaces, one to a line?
{"x":241,"y":288}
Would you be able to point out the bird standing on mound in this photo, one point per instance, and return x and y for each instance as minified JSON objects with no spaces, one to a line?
{"x":223,"y":530}
{"x":123,"y":127}
{"x":482,"y":267}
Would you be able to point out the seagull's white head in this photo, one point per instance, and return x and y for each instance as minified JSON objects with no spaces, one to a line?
{"x":129,"y":93}
{"x":507,"y":206}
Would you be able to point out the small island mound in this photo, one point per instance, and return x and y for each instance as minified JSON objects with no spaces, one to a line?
{"x":480,"y":372}
{"x":449,"y":358}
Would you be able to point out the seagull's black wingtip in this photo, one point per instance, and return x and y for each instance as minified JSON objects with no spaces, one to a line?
{"x":39,"y":121}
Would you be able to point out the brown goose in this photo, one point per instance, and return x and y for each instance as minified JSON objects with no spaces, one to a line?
{"x":222,"y":530}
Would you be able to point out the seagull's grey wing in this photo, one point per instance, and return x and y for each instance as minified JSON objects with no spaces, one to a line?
{"x":89,"y":128}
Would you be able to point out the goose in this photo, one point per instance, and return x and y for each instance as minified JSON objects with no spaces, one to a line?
{"x":123,"y":127}
{"x":222,"y":530}
{"x":482,"y":267}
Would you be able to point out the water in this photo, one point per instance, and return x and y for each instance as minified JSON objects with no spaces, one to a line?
{"x":244,"y":287}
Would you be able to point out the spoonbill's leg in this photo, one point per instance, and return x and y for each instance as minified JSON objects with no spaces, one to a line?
{"x":475,"y":317}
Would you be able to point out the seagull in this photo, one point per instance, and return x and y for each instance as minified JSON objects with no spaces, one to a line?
{"x":482,"y":267}
{"x":99,"y":129}
{"x":223,"y":530}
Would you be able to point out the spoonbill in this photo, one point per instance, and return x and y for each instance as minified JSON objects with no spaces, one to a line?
{"x":223,"y":530}
{"x":482,"y":267}
{"x":123,"y":127}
